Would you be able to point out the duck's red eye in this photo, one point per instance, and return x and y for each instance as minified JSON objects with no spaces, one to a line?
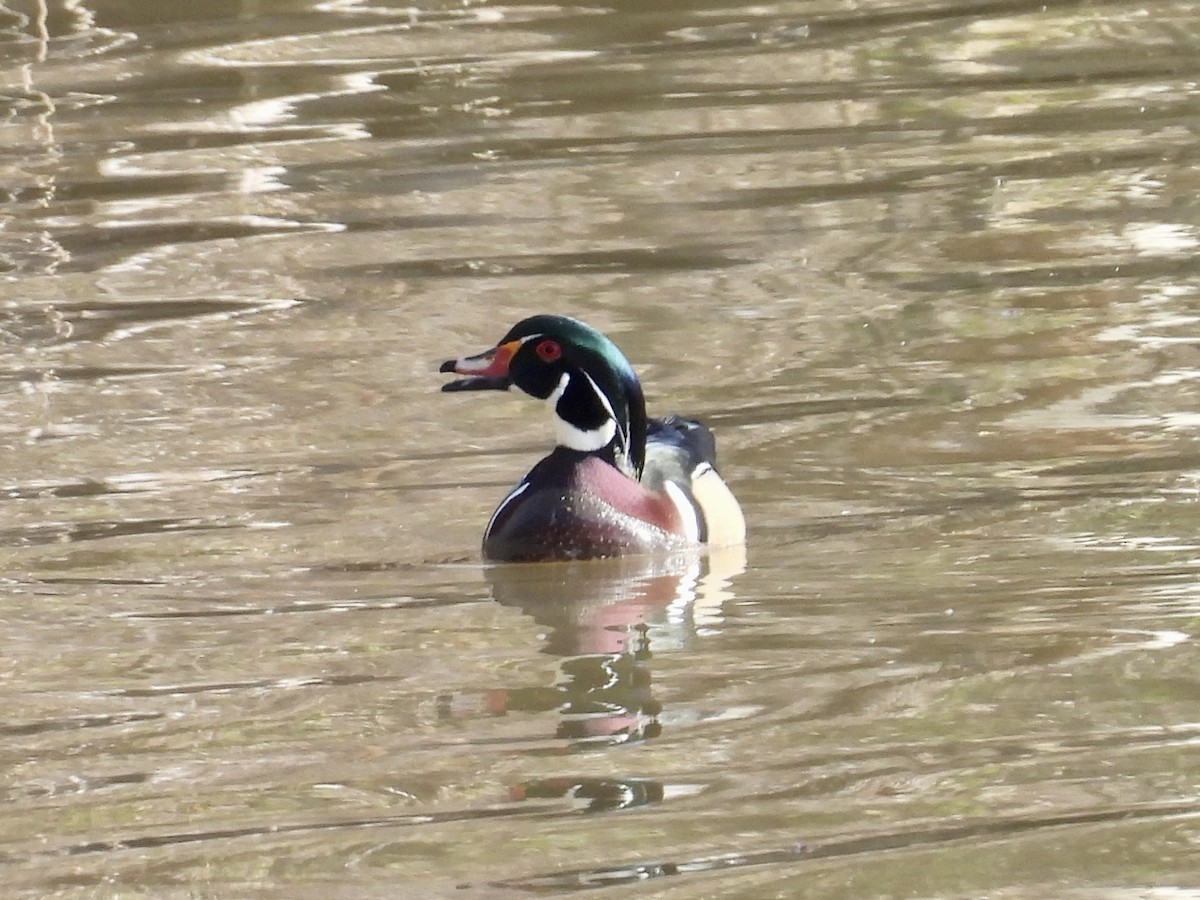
{"x":548,"y":350}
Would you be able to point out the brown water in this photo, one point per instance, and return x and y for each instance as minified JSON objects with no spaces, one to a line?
{"x":928,"y":268}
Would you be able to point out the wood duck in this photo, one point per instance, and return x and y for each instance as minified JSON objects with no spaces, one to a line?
{"x":616,"y":482}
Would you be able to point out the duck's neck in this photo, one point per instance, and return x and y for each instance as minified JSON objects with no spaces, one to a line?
{"x":585,"y":421}
{"x":591,"y":440}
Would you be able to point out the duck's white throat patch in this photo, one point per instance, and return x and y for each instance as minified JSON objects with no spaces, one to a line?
{"x":567,"y":435}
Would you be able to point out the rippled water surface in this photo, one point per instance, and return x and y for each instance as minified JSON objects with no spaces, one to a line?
{"x":930,"y":271}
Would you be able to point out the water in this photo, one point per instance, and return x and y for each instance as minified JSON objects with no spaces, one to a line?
{"x":928,"y":269}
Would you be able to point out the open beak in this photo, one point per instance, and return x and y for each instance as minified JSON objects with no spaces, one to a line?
{"x":487,"y":371}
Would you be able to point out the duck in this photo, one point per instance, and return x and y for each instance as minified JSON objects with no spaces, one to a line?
{"x":616,"y":483}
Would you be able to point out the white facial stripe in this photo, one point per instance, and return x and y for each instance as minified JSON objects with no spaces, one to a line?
{"x":574,"y":438}
{"x":687,"y":512}
{"x":608,"y":408}
{"x":556,"y":394}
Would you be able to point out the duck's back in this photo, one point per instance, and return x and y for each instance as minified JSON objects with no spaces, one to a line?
{"x":681,"y":459}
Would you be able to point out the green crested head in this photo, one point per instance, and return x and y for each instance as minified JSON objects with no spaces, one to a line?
{"x":589,"y":384}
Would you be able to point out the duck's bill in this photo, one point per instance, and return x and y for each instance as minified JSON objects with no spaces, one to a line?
{"x":476,"y":383}
{"x":486,"y":371}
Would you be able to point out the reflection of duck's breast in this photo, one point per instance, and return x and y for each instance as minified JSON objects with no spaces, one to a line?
{"x":590,"y":607}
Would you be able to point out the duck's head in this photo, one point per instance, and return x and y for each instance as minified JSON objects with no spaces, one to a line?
{"x":588,"y":383}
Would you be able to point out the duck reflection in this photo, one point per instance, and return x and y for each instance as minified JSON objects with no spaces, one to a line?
{"x":603,"y":697}
{"x":593,"y":794}
{"x":606,"y":620}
